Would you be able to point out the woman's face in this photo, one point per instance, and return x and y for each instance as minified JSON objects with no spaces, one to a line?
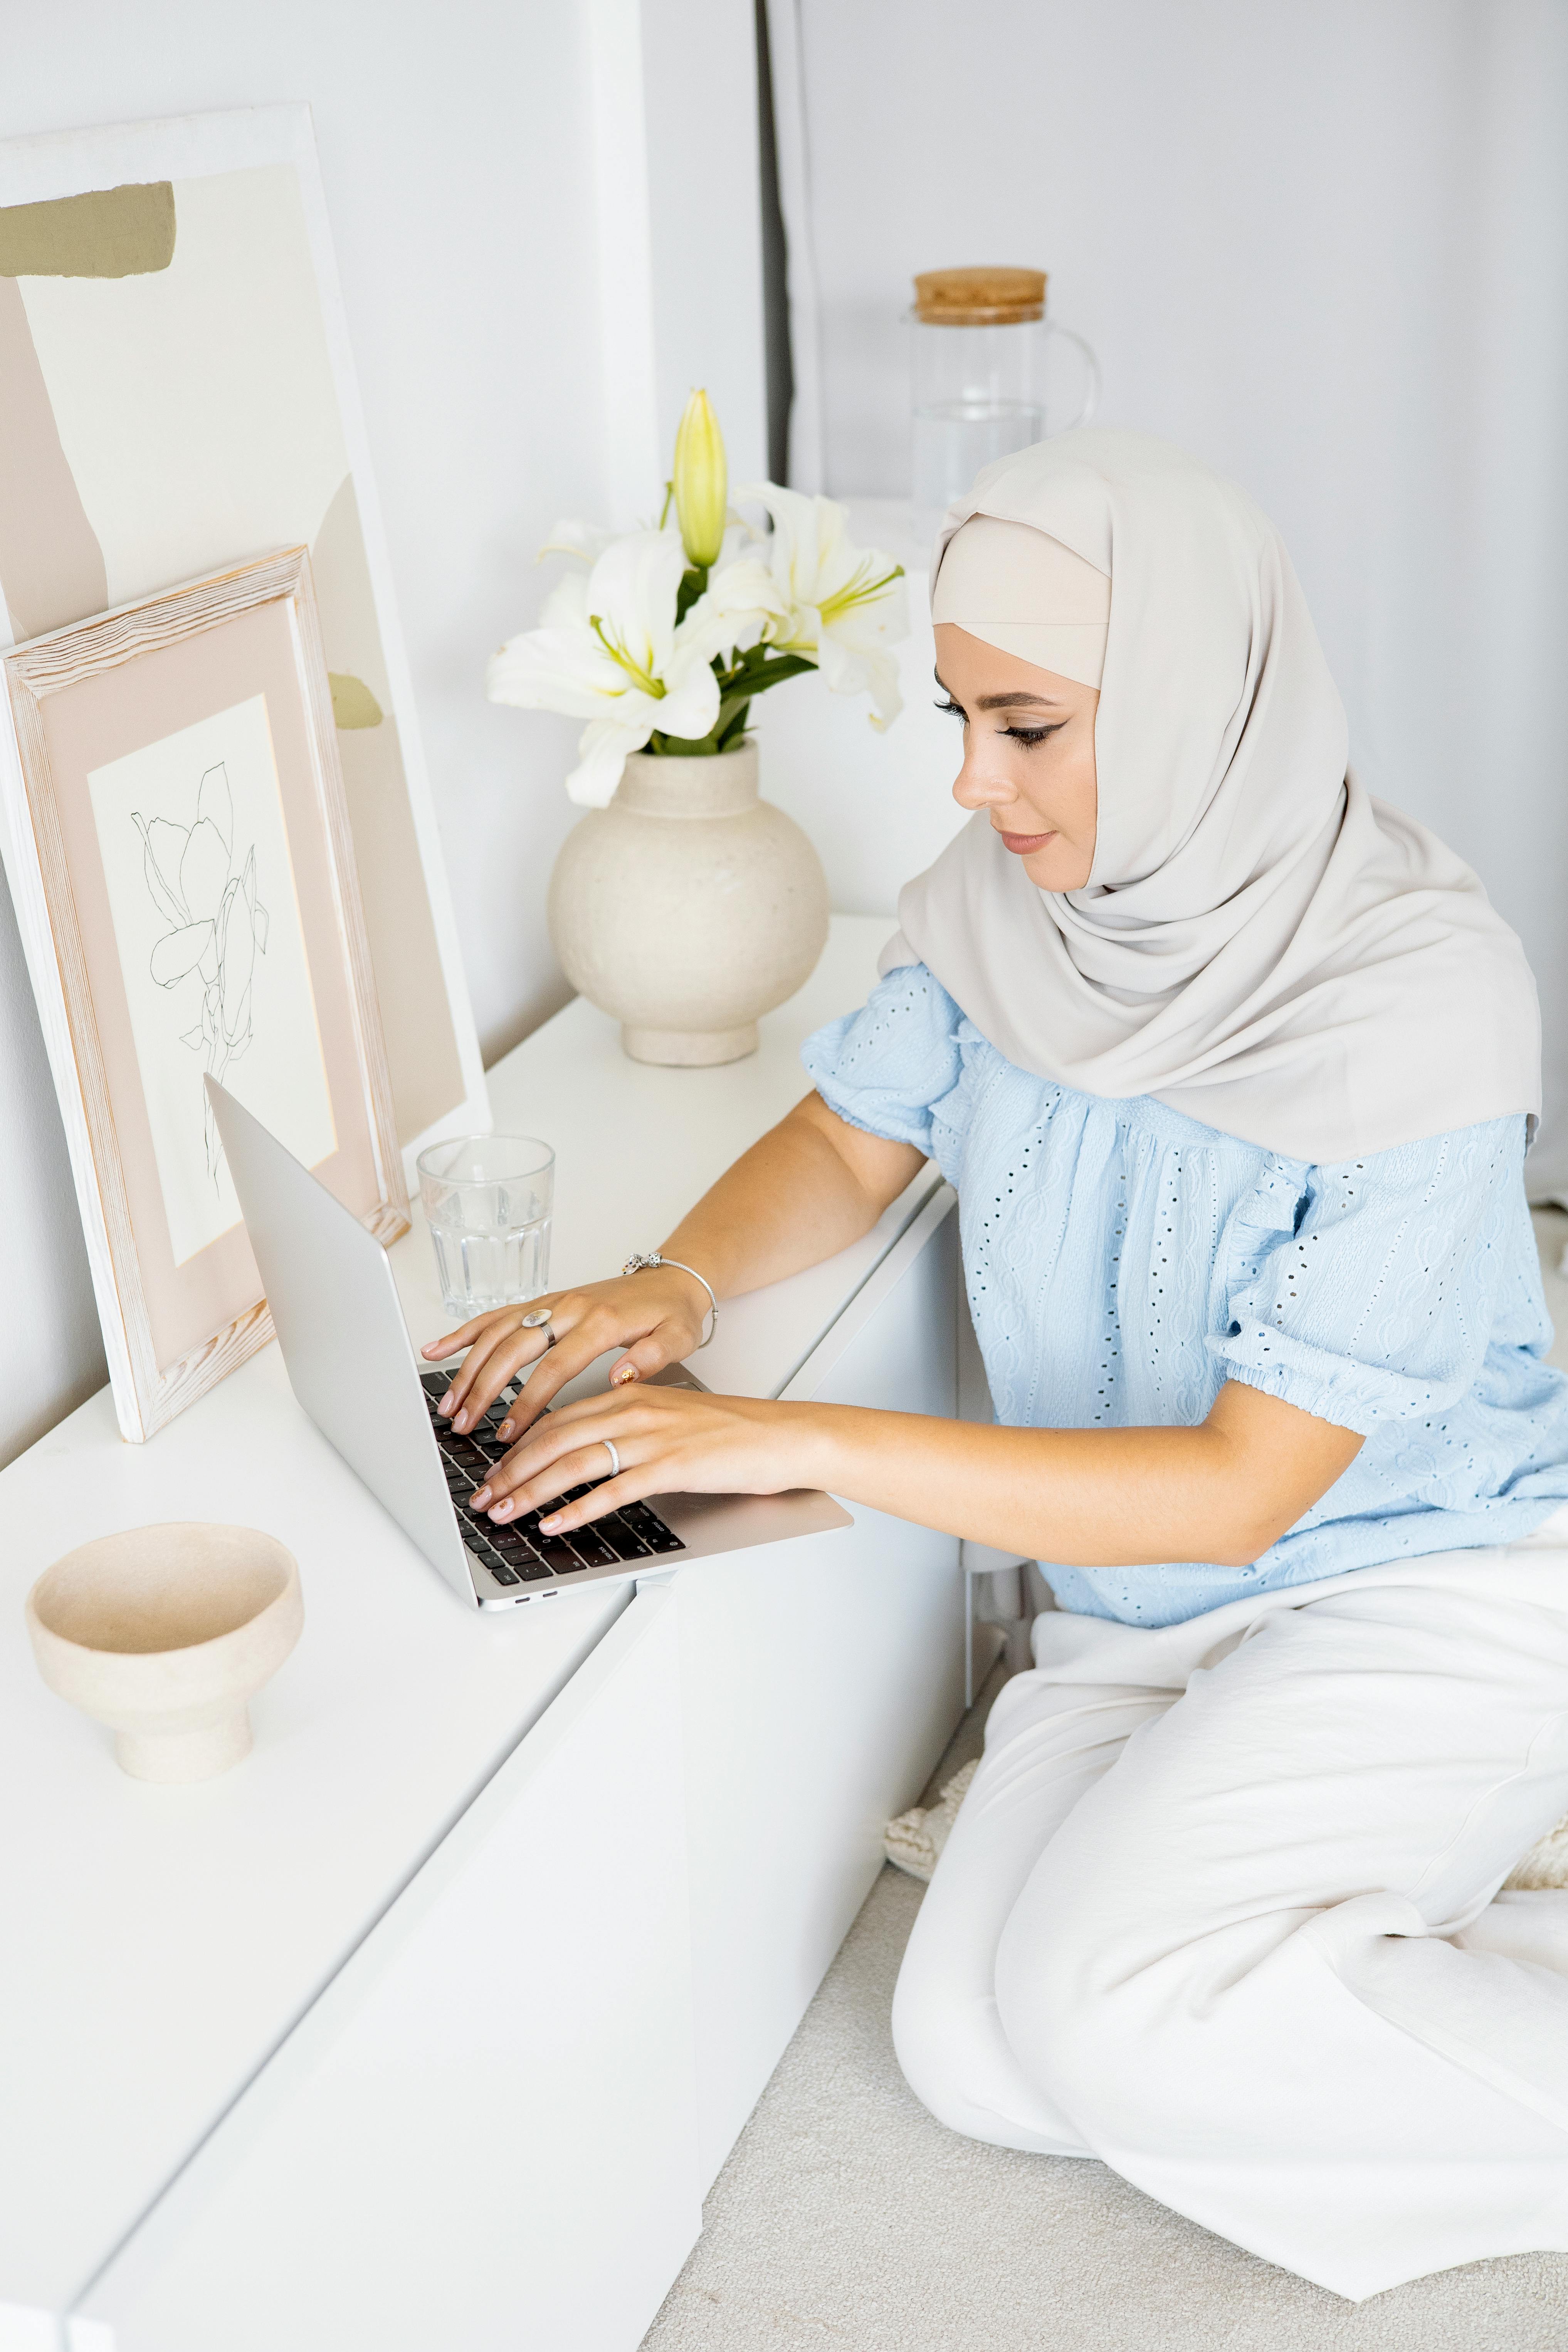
{"x":1028,"y":755}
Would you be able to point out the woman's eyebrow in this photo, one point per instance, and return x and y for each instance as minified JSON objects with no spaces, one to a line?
{"x":1006,"y":701}
{"x":1016,"y":701}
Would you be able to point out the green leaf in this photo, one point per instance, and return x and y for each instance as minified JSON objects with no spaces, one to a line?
{"x":751,"y":675}
{"x":738,"y":702}
{"x":693,"y":580}
{"x":775,"y":672}
{"x":683,"y":747}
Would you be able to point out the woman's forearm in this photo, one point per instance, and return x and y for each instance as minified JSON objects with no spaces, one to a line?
{"x":1223,"y":1491}
{"x":798,"y":1195}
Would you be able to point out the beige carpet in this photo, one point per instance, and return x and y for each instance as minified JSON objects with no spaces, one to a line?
{"x":847,"y":2218}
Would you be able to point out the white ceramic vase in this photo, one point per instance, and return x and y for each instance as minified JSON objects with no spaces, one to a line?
{"x":689,"y":907}
{"x":165,"y":1634}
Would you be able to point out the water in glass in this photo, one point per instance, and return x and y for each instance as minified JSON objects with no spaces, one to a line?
{"x":503,"y":1262}
{"x":488,"y":1202}
{"x":953,"y":438}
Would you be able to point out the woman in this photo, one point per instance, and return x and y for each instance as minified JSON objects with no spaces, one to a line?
{"x":1232,"y":1069}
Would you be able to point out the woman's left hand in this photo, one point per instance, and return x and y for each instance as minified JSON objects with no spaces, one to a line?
{"x":669,"y":1440}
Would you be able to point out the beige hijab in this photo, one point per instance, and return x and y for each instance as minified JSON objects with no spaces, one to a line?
{"x":1260,"y":944}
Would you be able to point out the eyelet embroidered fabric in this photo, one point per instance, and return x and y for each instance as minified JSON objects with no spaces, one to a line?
{"x":1122,"y":1262}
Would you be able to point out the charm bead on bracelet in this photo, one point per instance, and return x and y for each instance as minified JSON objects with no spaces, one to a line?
{"x":636,"y":1264}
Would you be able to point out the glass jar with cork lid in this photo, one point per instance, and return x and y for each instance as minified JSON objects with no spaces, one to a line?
{"x":983,"y":385}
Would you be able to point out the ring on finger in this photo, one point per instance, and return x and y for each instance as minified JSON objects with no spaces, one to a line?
{"x":536,"y":1321}
{"x":614,"y":1457}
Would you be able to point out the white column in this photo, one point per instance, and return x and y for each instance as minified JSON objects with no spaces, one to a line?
{"x":680,"y":234}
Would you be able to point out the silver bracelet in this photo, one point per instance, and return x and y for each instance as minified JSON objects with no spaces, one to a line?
{"x":651,"y":1257}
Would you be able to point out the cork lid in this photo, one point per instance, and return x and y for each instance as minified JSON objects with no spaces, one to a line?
{"x":979,"y":297}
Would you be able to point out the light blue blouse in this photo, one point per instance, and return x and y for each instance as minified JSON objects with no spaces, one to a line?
{"x":1123,"y":1262}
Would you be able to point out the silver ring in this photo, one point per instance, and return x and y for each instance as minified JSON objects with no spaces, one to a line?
{"x":538,"y":1317}
{"x":614,"y":1457}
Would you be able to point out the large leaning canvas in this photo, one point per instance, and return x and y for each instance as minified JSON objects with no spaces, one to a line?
{"x":177,"y":393}
{"x":186,"y":885}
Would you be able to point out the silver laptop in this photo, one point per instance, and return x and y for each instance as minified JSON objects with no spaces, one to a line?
{"x":351,"y":1366}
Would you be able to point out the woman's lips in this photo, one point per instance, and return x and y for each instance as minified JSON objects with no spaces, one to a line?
{"x":1024,"y":844}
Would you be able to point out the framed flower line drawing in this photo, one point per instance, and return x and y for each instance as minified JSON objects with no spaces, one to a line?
{"x":180,"y":855}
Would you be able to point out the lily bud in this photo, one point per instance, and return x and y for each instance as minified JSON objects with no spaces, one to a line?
{"x":701,"y":482}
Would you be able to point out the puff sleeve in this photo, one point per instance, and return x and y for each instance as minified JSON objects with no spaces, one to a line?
{"x":891,"y":1067}
{"x":1368,"y":1292}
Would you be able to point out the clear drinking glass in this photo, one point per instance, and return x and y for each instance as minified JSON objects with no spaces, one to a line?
{"x":488,"y":1201}
{"x":983,"y":385}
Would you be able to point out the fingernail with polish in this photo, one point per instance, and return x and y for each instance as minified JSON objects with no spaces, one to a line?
{"x":445,"y":1404}
{"x":460,"y":1419}
{"x":504,"y":1432}
{"x":626,"y":1372}
{"x":502,"y":1510}
{"x":480,"y":1499}
{"x":552,"y":1523}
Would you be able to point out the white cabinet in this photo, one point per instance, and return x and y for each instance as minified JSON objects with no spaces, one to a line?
{"x":483,"y":2134}
{"x":821,"y":1682}
{"x":425,"y":2029}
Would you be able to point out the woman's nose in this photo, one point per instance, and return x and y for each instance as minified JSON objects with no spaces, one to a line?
{"x":974,"y":789}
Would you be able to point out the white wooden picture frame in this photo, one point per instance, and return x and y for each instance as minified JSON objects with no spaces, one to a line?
{"x":109,"y":719}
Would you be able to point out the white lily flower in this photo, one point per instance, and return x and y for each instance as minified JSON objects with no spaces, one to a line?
{"x":610,"y":651}
{"x":848,"y":605}
{"x":587,"y":541}
{"x":739,"y":602}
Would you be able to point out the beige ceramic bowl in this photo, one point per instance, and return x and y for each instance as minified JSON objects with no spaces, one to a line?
{"x":164,"y":1634}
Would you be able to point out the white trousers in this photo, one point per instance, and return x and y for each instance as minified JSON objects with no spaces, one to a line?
{"x":1222,"y":1908}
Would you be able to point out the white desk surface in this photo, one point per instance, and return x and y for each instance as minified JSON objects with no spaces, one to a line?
{"x":160,"y":1942}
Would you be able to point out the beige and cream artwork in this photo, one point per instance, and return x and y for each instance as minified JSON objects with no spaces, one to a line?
{"x":167,"y":406}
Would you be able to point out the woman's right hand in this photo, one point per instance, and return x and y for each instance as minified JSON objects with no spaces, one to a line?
{"x":657,"y":1315}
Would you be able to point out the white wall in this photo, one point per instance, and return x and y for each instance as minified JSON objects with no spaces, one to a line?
{"x":1326,"y":247}
{"x":465,"y":149}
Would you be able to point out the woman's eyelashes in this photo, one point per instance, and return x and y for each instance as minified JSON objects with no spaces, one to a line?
{"x":1028,"y":736}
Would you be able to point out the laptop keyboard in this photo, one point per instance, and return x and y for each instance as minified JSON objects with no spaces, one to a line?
{"x":516,"y":1551}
